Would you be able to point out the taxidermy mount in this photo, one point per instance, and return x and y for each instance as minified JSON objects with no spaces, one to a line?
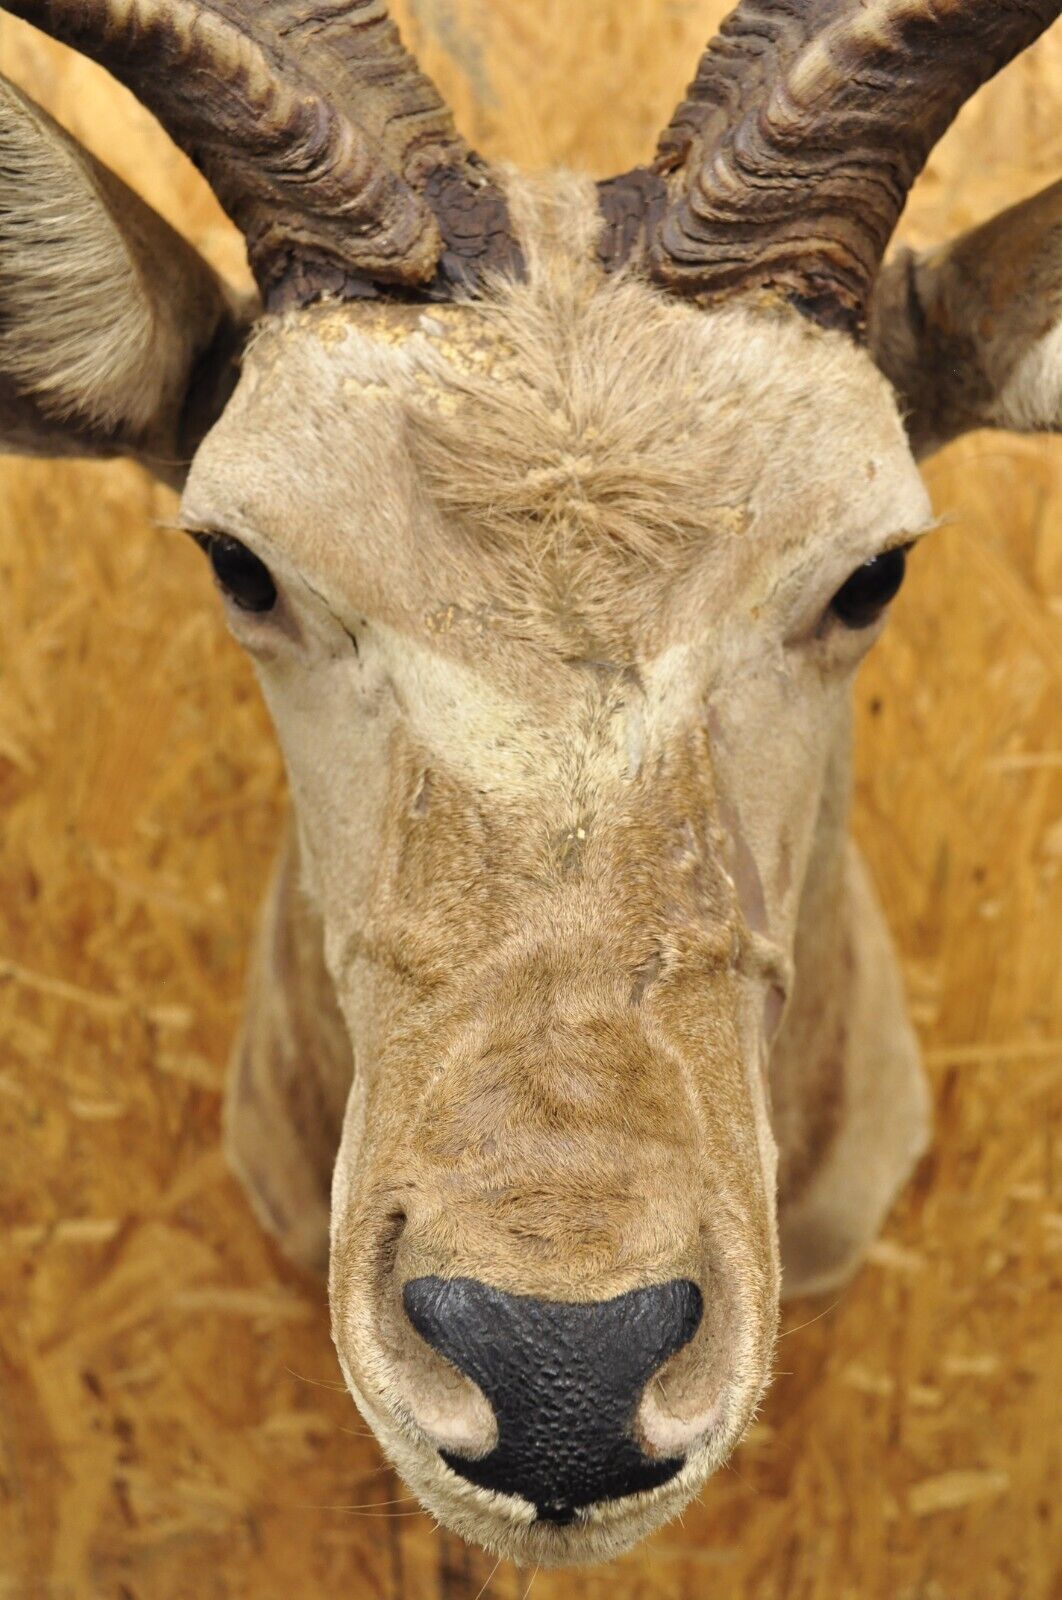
{"x":556,"y":517}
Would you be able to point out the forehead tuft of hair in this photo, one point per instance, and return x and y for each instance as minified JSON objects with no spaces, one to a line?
{"x":569,"y":462}
{"x":587,"y":440}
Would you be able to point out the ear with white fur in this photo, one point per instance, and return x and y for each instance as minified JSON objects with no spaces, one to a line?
{"x":970,"y":333}
{"x":115,"y":337}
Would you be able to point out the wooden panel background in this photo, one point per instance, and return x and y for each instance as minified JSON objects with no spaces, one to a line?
{"x":171,"y":1424}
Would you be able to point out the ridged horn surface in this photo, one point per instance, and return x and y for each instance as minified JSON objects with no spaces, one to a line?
{"x":790,"y":161}
{"x":322,"y":139}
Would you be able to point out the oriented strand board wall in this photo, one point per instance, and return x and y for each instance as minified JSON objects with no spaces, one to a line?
{"x":171,"y":1425}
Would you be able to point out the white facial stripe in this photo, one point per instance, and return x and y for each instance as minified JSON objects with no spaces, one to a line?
{"x":466,"y":721}
{"x":497,"y":741}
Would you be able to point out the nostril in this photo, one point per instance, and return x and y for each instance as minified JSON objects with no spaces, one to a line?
{"x":564,"y":1381}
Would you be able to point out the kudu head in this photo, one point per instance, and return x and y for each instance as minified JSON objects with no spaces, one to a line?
{"x":556,"y":518}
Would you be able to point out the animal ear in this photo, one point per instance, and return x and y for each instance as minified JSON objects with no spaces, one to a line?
{"x":115,"y":337}
{"x":970,"y":334}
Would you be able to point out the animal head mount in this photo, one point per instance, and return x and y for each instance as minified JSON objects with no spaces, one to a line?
{"x":556,"y":517}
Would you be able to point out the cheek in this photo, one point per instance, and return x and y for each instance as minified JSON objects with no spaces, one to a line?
{"x":775,"y":748}
{"x":335,"y":749}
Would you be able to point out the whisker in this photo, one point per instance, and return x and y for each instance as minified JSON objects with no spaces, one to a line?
{"x":318,"y":1383}
{"x":751,"y":1487}
{"x":373,"y":1516}
{"x":368,"y":1505}
{"x":490,"y":1580}
{"x":367,"y":1477}
{"x":800,"y":1328}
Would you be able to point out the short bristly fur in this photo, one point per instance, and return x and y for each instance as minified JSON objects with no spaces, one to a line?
{"x":569,"y":982}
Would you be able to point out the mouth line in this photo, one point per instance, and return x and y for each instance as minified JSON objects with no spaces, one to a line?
{"x":587,"y":1518}
{"x":558,"y":1514}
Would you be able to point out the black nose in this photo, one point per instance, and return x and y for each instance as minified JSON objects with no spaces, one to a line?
{"x":564,"y":1381}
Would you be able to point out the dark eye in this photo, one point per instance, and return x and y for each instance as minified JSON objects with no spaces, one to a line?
{"x":244,"y":578}
{"x":861,"y":600}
